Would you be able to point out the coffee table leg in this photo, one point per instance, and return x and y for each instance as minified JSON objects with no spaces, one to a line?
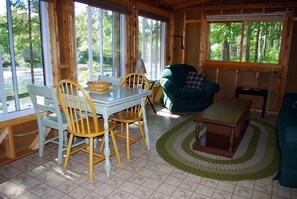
{"x":197,"y":132}
{"x":231,"y":140}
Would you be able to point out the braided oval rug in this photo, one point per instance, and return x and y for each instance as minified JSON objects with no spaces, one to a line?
{"x":256,"y":157}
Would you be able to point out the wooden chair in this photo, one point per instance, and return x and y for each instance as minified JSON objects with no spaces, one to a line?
{"x":131,"y":115}
{"x":49,"y":116}
{"x":72,"y":96}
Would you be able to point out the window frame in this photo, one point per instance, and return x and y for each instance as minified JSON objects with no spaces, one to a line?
{"x":242,"y":18}
{"x":90,"y":43}
{"x":46,"y":58}
{"x":159,"y":52}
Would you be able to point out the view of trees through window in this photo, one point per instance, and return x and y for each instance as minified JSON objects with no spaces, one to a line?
{"x":151,"y":45}
{"x":21,"y":50}
{"x":253,"y":42}
{"x":98,"y":37}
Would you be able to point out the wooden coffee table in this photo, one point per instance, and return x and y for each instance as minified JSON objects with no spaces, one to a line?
{"x":226,"y":122}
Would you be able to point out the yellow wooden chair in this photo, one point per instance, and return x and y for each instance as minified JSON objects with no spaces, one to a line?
{"x":131,"y":115}
{"x":72,"y":97}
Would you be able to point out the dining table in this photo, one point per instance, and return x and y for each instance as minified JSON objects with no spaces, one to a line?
{"x":115,"y":100}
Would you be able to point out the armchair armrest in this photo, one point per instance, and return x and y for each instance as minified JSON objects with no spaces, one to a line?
{"x":211,"y":88}
{"x":167,"y":85}
{"x":170,"y":89}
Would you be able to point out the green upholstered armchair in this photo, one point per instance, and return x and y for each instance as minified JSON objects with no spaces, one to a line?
{"x":178,"y":98}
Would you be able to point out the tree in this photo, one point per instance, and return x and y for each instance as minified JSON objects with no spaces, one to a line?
{"x":26,"y":33}
{"x":261,"y":41}
{"x":248,"y":38}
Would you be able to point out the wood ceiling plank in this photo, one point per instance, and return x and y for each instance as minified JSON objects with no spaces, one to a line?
{"x":182,"y":3}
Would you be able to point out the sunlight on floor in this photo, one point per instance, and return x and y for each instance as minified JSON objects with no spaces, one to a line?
{"x":164,"y":112}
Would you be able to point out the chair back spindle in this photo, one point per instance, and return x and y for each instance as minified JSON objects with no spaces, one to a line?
{"x":135,"y":80}
{"x":76,"y":101}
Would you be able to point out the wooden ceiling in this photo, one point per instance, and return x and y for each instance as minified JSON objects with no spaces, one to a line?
{"x":181,"y":3}
{"x":176,"y":4}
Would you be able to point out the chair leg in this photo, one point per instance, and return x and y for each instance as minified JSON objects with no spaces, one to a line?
{"x":42,"y":132}
{"x":122,"y":129}
{"x":128,"y":140}
{"x":65,"y":138}
{"x":115,"y":146}
{"x":68,"y":150}
{"x":60,"y":147}
{"x":102,"y":143}
{"x":91,"y":156}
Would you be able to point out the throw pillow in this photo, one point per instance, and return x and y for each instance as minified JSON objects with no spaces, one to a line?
{"x":195,"y":80}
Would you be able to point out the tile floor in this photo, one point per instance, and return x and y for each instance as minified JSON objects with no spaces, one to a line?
{"x":146,"y":175}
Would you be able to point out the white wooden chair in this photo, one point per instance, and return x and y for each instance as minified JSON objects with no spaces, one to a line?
{"x":49,"y":116}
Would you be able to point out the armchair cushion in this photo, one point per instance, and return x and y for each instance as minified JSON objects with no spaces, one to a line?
{"x":195,"y":80}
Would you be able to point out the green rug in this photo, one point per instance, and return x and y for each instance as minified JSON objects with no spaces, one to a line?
{"x":256,"y":156}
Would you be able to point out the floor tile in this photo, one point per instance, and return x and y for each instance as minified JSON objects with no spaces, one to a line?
{"x":145,"y":176}
{"x":204,"y":190}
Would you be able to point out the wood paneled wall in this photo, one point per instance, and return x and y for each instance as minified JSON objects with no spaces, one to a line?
{"x":62,"y":39}
{"x":276,"y":80}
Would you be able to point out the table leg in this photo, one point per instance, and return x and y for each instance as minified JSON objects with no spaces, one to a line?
{"x":264,"y":103}
{"x":146,"y":130}
{"x":231,"y":139}
{"x":106,"y":147}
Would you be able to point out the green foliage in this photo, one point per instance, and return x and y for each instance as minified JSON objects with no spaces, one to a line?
{"x":150,"y":31}
{"x":20,"y":23}
{"x":82,"y":34}
{"x":261,"y":41}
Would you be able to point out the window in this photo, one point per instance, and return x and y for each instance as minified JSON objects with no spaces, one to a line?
{"x":245,"y":38}
{"x":21,"y":54}
{"x":151,"y":46}
{"x":99,"y":38}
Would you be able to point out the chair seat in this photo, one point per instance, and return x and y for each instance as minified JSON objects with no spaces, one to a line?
{"x":52,"y":119}
{"x":126,"y":117}
{"x":91,"y":128}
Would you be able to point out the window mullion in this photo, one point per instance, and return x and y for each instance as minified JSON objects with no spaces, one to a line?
{"x":3,"y":94}
{"x":143,"y":37}
{"x":151,"y":46}
{"x":156,"y":49}
{"x":123,"y":44}
{"x":46,"y":44}
{"x":101,"y":40}
{"x":162,"y":47}
{"x":12,"y":56}
{"x":113,"y":45}
{"x":90,"y":43}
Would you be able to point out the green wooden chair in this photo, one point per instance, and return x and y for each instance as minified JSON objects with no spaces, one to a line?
{"x":49,"y":116}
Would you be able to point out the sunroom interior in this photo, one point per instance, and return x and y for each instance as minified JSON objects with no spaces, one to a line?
{"x":46,"y":41}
